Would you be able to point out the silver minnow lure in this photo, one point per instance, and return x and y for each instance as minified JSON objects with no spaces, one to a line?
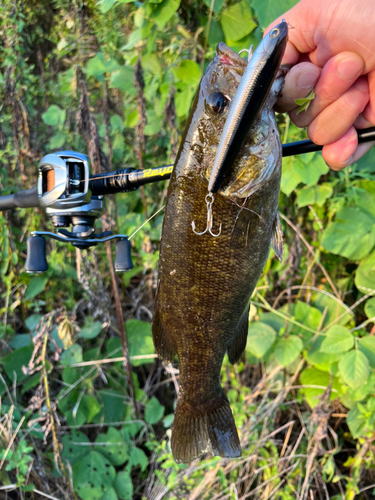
{"x":248,"y":101}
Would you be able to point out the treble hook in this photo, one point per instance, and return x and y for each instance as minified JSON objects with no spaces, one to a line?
{"x":209,"y":200}
{"x":249,"y":52}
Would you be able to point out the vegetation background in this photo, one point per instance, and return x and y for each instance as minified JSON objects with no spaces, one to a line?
{"x":115,"y":79}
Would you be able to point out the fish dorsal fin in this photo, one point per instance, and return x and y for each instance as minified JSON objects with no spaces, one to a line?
{"x":277,"y":241}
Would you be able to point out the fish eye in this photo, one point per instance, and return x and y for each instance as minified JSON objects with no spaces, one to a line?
{"x":274,"y":33}
{"x":217,"y":102}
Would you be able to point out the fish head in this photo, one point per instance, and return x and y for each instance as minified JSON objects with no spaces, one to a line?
{"x":206,"y":122}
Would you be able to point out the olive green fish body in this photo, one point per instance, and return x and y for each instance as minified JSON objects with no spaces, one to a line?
{"x":206,"y":282}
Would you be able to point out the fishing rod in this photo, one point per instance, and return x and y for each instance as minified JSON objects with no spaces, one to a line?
{"x":73,"y":197}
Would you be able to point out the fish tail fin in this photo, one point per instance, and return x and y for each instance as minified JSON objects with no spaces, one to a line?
{"x":165,"y":346}
{"x":206,"y":428}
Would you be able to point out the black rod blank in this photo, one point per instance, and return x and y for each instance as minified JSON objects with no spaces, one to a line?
{"x":128,"y":179}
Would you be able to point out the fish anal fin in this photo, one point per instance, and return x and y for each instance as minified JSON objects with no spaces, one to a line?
{"x":206,"y":428}
{"x":238,"y":344}
{"x":165,"y":346}
{"x":277,"y":241}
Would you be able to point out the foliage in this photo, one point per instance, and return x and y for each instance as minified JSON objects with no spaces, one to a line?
{"x":302,"y":397}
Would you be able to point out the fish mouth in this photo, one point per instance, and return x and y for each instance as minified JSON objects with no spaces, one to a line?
{"x":230,"y":59}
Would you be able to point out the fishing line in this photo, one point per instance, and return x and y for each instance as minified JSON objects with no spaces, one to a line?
{"x":140,"y":227}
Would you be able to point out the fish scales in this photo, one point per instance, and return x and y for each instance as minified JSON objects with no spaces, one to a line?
{"x":205,"y":283}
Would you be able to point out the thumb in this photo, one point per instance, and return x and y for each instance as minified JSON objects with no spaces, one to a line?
{"x":303,"y":20}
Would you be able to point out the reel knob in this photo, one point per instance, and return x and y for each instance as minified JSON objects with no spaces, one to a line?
{"x":123,"y":260}
{"x":36,"y":261}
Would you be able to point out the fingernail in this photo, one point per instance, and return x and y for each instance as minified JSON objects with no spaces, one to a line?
{"x":348,"y":69}
{"x":307,"y":79}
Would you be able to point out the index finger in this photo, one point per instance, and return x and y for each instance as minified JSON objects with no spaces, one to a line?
{"x":302,"y":22}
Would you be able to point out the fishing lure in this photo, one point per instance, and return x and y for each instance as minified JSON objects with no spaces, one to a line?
{"x":252,"y":91}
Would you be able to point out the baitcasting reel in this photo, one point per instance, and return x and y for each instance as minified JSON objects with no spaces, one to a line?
{"x":64,"y":192}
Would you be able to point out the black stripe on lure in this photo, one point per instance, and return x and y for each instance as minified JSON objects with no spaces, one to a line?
{"x":248,"y":100}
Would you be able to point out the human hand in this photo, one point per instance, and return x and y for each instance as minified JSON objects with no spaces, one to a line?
{"x":332,"y":48}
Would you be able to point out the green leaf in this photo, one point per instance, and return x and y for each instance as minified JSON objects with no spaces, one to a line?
{"x":28,"y":487}
{"x":338,"y":236}
{"x":131,"y":429}
{"x":97,"y":67}
{"x":370,"y":308}
{"x":366,"y":199}
{"x":117,"y":124}
{"x":122,"y":79}
{"x":114,"y":406}
{"x":135,"y":37}
{"x":217,"y":6}
{"x":32,"y":321}
{"x":165,"y":11}
{"x":305,"y":102}
{"x":92,"y":476}
{"x":14,"y":362}
{"x":137,"y":458}
{"x":365,"y":273}
{"x":54,"y":116}
{"x":131,"y":121}
{"x":332,"y":309}
{"x":106,"y":5}
{"x":311,"y":195}
{"x":123,"y":485}
{"x":168,"y":420}
{"x":260,"y":339}
{"x":73,"y":451}
{"x":90,"y":330}
{"x":287,"y":350}
{"x":110,"y":494}
{"x":183,"y":101}
{"x":354,"y":368}
{"x":367,"y":346}
{"x":115,"y":448}
{"x":357,"y":422}
{"x":154,"y":411}
{"x":216,"y":34}
{"x":72,"y":355}
{"x":154,"y":124}
{"x":35,"y":287}
{"x":269,"y":10}
{"x":307,"y":315}
{"x":313,"y":376}
{"x":338,"y":339}
{"x":57,"y":140}
{"x":139,"y":340}
{"x":151,"y":64}
{"x":310,"y":167}
{"x":188,"y":72}
{"x":90,"y":406}
{"x":21,"y":340}
{"x":289,"y":178}
{"x":72,"y":409}
{"x":237,"y":21}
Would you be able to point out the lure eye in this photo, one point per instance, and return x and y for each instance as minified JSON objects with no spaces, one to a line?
{"x":274,"y":33}
{"x":217,"y":102}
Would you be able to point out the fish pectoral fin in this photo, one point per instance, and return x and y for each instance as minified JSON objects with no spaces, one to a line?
{"x":277,"y":241}
{"x":165,"y":346}
{"x":238,"y":344}
{"x":207,"y":428}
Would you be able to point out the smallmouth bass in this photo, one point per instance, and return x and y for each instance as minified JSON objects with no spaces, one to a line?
{"x":205,"y":283}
